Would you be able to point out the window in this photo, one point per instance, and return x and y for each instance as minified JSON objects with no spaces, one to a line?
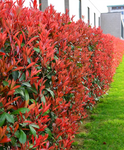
{"x":118,"y":7}
{"x":122,"y":12}
{"x":122,"y":35}
{"x":88,"y":11}
{"x":67,"y":5}
{"x":40,"y":5}
{"x":44,"y":4}
{"x":114,"y":8}
{"x":94,"y":19}
{"x":80,"y":13}
{"x":99,"y":21}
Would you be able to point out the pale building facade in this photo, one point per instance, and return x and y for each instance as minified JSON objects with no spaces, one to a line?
{"x":113,"y":21}
{"x":117,"y":8}
{"x":78,"y":8}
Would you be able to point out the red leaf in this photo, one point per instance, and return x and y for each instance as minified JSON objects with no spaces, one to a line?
{"x":31,"y":40}
{"x":19,"y":68}
{"x":28,"y":122}
{"x":15,"y":99}
{"x":5,"y":140}
{"x":1,"y":53}
{"x":11,"y":92}
{"x":21,"y":38}
{"x":17,"y":86}
{"x":16,"y":128}
{"x":31,"y":64}
{"x":31,"y":106}
{"x":9,"y":68}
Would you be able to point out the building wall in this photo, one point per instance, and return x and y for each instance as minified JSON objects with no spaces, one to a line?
{"x":93,"y":9}
{"x":74,"y":8}
{"x":120,"y":9}
{"x":59,"y":5}
{"x":111,"y":23}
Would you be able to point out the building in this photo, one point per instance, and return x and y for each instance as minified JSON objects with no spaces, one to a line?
{"x":78,"y":8}
{"x":113,"y":21}
{"x":117,"y":8}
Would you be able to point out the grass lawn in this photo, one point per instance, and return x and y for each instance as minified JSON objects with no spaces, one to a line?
{"x":104,"y":129}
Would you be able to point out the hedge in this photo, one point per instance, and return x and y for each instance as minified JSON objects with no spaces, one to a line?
{"x":52,"y":70}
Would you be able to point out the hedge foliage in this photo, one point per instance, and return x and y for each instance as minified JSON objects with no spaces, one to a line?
{"x":51,"y":70}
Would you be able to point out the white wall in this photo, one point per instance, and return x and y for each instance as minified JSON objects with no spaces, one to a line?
{"x":93,"y":9}
{"x":59,"y":5}
{"x":119,"y":10}
{"x":74,"y":9}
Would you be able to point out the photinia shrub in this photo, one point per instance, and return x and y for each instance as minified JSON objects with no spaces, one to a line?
{"x":51,"y":70}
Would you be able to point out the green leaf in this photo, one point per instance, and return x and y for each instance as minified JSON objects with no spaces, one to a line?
{"x":9,"y":118}
{"x":22,"y":110}
{"x":48,"y":131}
{"x":1,"y":104}
{"x":55,"y":57}
{"x":26,"y":95}
{"x":34,"y":125}
{"x":26,"y":84}
{"x":33,"y":131}
{"x":46,"y":112}
{"x":17,"y":134}
{"x":78,"y":46}
{"x":22,"y":44}
{"x":90,"y":48}
{"x":15,"y":75}
{"x":70,"y":106}
{"x":33,"y":90}
{"x":36,"y":36}
{"x":22,"y":77}
{"x":72,"y":47}
{"x":5,"y":83}
{"x":2,"y":119}
{"x":37,"y":49}
{"x":69,"y":22}
{"x":49,"y":76}
{"x":19,"y":91}
{"x":79,"y":64}
{"x":1,"y":148}
{"x":29,"y":60}
{"x":32,"y":101}
{"x":31,"y":146}
{"x":13,"y":141}
{"x":1,"y":110}
{"x":23,"y":124}
{"x":43,"y":99}
{"x":51,"y":92}
{"x":22,"y":138}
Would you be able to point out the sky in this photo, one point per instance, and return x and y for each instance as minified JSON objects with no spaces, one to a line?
{"x":102,"y":4}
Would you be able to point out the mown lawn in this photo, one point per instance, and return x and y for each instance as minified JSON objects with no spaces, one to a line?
{"x":104,"y":130}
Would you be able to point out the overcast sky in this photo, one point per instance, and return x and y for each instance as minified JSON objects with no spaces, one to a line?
{"x":102,"y":4}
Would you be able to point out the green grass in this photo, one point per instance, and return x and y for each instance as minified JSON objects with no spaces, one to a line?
{"x":105,"y":130}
